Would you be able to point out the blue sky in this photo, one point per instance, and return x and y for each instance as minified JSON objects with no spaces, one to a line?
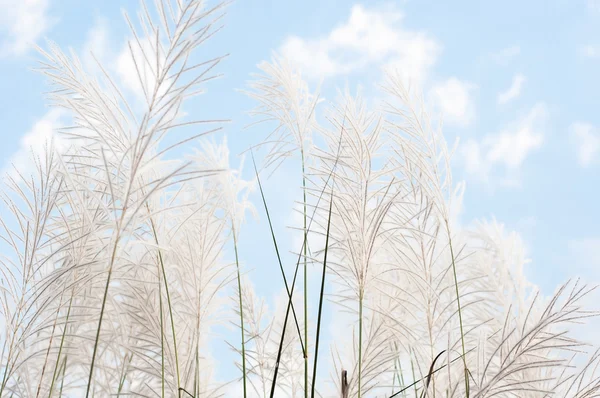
{"x":516,"y":81}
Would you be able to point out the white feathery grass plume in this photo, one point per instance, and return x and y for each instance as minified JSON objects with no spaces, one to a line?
{"x":114,"y":273}
{"x":423,"y":159}
{"x":25,"y":306}
{"x":261,"y":352}
{"x":285,"y":99}
{"x":108,"y":174}
{"x":232,"y":198}
{"x":527,"y":356}
{"x":232,"y":190}
{"x":263,"y":334}
{"x":362,"y":195}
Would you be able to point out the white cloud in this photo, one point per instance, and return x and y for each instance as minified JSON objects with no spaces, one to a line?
{"x":506,"y":150}
{"x":44,"y":130}
{"x":589,"y":51}
{"x":22,"y":22}
{"x":453,"y":97}
{"x":120,"y":64}
{"x":126,"y":69}
{"x":369,"y":37}
{"x":593,"y":5}
{"x":96,"y":45}
{"x":587,"y":141}
{"x":34,"y":142}
{"x":586,"y":253}
{"x":513,"y":91}
{"x":504,"y":56}
{"x":584,"y":262}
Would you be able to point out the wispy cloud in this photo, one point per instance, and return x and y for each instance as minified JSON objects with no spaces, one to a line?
{"x":514,"y":91}
{"x":454,"y":98}
{"x":33,"y":143}
{"x":23,"y":22}
{"x":506,"y":55}
{"x":369,"y":37}
{"x":97,"y":44}
{"x":587,"y":142}
{"x":586,"y":253}
{"x":43,"y":132}
{"x":589,"y":51}
{"x":593,"y":5}
{"x":119,"y":63}
{"x":502,"y":154}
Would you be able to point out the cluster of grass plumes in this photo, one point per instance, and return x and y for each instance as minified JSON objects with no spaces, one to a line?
{"x":117,"y":267}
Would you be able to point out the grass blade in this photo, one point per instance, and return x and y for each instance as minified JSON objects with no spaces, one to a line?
{"x":314,"y":380}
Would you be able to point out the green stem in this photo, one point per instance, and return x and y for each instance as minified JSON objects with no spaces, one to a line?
{"x":462,"y":334}
{"x":124,"y":374}
{"x":39,"y":389}
{"x":314,"y":379}
{"x":305,"y":282}
{"x":290,"y":291}
{"x":62,"y":341}
{"x":239,"y":280}
{"x":164,"y":274}
{"x":99,"y":328}
{"x":62,"y":381}
{"x":360,"y":328}
{"x":162,"y":338}
{"x":197,"y":375}
{"x":412,"y":365}
{"x":395,"y":375}
{"x":401,"y":374}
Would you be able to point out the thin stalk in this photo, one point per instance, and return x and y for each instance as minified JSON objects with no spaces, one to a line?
{"x":287,"y":288}
{"x":412,"y":365}
{"x":197,"y":375}
{"x":16,"y":319}
{"x":462,"y":334}
{"x":50,"y":343}
{"x":290,"y":291}
{"x":99,"y":327}
{"x":400,"y":373}
{"x":62,"y":341}
{"x":360,"y":329}
{"x":164,"y":275}
{"x":239,"y":280}
{"x":394,"y":376}
{"x":321,"y":298}
{"x":162,"y":338}
{"x":124,"y":374}
{"x":305,"y":280}
{"x":62,"y":381}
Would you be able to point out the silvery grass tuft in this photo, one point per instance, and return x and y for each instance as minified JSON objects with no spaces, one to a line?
{"x":117,"y":267}
{"x":285,"y":98}
{"x":439,"y":310}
